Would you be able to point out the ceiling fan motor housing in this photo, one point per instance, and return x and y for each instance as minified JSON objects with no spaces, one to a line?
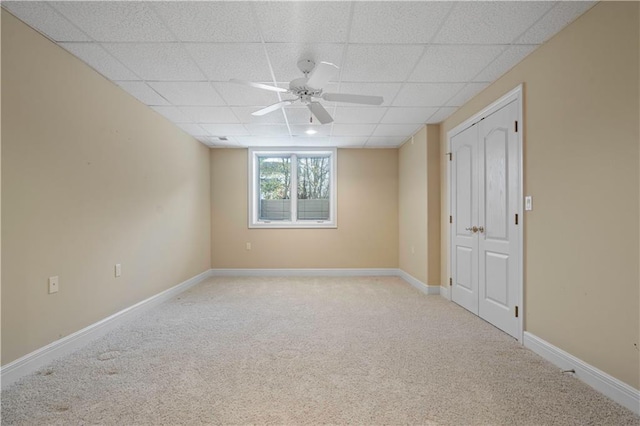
{"x":299,"y":88}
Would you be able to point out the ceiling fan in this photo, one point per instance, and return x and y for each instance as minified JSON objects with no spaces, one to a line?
{"x":310,"y":87}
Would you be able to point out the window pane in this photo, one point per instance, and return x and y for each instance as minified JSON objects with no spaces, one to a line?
{"x":313,"y":188}
{"x":275,"y":188}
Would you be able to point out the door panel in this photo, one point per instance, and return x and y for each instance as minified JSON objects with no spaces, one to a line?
{"x":497,"y":206}
{"x":496,"y":196}
{"x":464,"y":269}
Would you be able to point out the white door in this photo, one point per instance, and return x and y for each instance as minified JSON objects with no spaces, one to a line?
{"x":464,"y":208}
{"x":498,"y":197}
{"x":485,"y":201}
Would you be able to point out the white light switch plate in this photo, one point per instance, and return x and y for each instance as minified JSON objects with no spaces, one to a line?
{"x":527,"y":203}
{"x":118,"y":270}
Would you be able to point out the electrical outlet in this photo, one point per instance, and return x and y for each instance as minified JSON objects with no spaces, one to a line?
{"x":118,"y":270}
{"x":248,"y":246}
{"x":53,"y":285}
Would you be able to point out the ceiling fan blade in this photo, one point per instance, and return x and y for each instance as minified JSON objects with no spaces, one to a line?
{"x":320,"y":113}
{"x":259,"y":85}
{"x":354,"y":99}
{"x":273,"y":107}
{"x":321,"y":74}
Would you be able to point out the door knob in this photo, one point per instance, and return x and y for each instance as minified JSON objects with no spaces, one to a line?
{"x":473,"y":229}
{"x":481,"y":229}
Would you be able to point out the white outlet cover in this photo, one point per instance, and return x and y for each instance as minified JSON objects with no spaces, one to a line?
{"x":53,"y":285}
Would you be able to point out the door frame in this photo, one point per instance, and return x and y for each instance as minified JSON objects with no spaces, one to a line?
{"x":516,"y":94}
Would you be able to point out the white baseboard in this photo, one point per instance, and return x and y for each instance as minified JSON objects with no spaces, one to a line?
{"x":40,"y":357}
{"x":615,"y":389}
{"x":445,"y":291}
{"x":330,"y":272}
{"x":426,"y":289}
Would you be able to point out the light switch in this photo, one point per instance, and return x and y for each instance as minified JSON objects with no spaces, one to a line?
{"x":527,"y":203}
{"x":118,"y":270}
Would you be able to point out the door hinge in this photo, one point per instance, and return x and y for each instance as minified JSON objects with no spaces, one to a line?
{"x":516,"y":218}
{"x":516,"y":125}
{"x":450,"y":219}
{"x":450,"y":281}
{"x":516,"y":312}
{"x":450,"y":155}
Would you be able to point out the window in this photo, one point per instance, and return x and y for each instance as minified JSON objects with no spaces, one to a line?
{"x":292,"y":188}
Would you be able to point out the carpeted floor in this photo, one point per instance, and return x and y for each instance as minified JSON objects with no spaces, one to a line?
{"x":306,"y":351}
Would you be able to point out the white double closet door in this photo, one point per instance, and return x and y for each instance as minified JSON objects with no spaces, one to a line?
{"x":485,"y":198}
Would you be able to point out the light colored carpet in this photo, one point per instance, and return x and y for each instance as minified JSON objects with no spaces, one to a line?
{"x":306,"y":351}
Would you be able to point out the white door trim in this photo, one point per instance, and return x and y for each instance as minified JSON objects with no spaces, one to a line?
{"x":516,"y":95}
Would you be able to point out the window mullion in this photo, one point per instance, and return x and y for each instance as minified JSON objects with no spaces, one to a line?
{"x":294,"y":188}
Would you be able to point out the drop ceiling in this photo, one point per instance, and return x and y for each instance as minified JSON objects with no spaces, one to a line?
{"x":425,"y":58}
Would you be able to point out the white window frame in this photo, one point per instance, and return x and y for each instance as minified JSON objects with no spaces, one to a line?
{"x":254,"y":188}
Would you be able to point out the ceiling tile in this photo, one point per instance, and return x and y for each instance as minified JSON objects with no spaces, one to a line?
{"x":301,"y":130}
{"x":396,"y":22}
{"x":39,"y":15}
{"x":303,"y":22}
{"x":188,"y":93}
{"x":359,"y":115}
{"x":244,"y":115}
{"x":156,"y":61}
{"x":284,"y":58}
{"x":374,"y":63}
{"x":193,"y":129}
{"x":486,"y":22}
{"x":505,"y":62}
{"x":221,"y":62}
{"x":454,"y":63}
{"x":387,"y":90}
{"x":468,"y":92}
{"x":396,"y":129}
{"x":349,"y":141}
{"x":142,"y":92}
{"x":352,"y":129}
{"x":226,"y":129}
{"x":386,"y":141}
{"x":239,"y":95}
{"x":427,"y":94}
{"x":562,"y":14}
{"x":264,"y":141}
{"x":301,"y":114}
{"x":442,"y":114}
{"x":399,"y":115}
{"x":209,"y":21}
{"x":215,"y":142}
{"x":100,"y":60}
{"x":278,"y":130}
{"x":115,"y":20}
{"x":312,"y":142}
{"x":209,"y":114}
{"x":172,"y":113}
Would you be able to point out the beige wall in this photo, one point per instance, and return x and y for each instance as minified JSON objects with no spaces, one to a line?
{"x":90,"y":178}
{"x":412,"y":206}
{"x":433,"y":203}
{"x":419,"y":205}
{"x":367,"y":233}
{"x":581,"y":151}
